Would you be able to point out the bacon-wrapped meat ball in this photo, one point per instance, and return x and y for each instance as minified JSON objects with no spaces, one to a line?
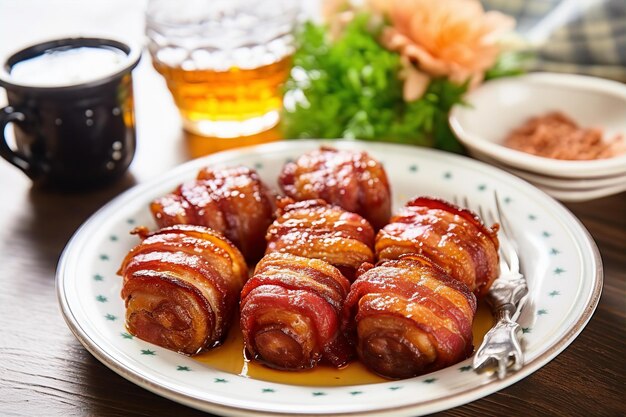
{"x":350,"y":179}
{"x":233,"y":201}
{"x":181,"y":286}
{"x":291,"y":312}
{"x":316,"y":229}
{"x":409,"y":317}
{"x":454,"y":238}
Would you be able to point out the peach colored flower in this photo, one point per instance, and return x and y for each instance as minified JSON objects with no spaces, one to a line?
{"x":452,"y":38}
{"x":415,"y":81}
{"x":330,"y":8}
{"x":337,"y":14}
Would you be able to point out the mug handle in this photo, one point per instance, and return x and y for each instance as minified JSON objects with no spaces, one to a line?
{"x":10,"y":115}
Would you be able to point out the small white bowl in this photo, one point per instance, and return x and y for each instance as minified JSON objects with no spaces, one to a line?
{"x":499,"y":106}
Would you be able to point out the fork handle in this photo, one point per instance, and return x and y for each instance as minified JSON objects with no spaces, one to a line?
{"x":507,"y":295}
{"x":504,"y":312}
{"x":501,"y":343}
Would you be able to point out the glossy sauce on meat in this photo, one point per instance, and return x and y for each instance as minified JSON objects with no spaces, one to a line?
{"x":315,"y":229}
{"x":181,"y":287}
{"x":291,"y":312}
{"x":233,"y":201}
{"x":229,"y":358}
{"x":350,"y":179}
{"x":408,"y":317}
{"x":454,"y":238}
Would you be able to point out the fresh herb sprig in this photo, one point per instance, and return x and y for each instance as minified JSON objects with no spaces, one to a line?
{"x":350,"y":88}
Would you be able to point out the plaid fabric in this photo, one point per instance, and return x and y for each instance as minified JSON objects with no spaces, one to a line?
{"x":577,"y":36}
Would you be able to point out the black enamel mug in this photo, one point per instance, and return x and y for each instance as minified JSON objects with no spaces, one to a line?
{"x":72,"y":135}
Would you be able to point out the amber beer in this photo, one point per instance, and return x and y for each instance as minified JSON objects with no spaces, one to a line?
{"x":223,"y":61}
{"x":210,"y":100}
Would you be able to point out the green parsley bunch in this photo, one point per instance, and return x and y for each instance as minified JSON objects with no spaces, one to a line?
{"x":350,"y":88}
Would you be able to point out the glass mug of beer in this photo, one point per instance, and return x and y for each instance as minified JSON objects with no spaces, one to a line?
{"x":224,"y":61}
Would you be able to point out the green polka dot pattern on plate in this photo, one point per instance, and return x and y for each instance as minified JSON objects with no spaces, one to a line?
{"x":114,"y":243}
{"x":414,"y":169}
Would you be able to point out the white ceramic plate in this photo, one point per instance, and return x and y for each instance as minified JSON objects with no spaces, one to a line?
{"x":571,"y":190}
{"x":568,"y":184}
{"x":560,"y":260}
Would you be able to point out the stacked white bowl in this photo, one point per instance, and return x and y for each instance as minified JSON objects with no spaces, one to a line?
{"x":499,"y":106}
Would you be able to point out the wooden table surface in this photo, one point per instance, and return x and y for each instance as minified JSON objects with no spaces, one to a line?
{"x":45,"y":371}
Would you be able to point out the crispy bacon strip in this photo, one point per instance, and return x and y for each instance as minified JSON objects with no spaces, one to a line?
{"x":233,"y":201}
{"x":350,"y":179}
{"x":291,"y":312}
{"x":316,"y":229}
{"x":181,"y":286}
{"x":454,"y":238}
{"x":409,"y":317}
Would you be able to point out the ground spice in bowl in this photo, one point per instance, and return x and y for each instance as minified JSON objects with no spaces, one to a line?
{"x":555,"y":135}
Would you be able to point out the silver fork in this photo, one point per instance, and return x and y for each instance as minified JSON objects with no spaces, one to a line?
{"x":506,"y":298}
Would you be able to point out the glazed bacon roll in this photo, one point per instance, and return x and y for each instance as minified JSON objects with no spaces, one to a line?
{"x":409,"y":317}
{"x":350,"y":179}
{"x":233,"y":201}
{"x":181,"y":286}
{"x":316,"y":229}
{"x":454,"y":238}
{"x":291,"y":311}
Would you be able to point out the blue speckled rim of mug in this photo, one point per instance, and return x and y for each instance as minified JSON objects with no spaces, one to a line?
{"x":133,"y":54}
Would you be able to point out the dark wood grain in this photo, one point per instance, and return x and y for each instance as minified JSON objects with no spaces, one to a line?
{"x":45,"y":371}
